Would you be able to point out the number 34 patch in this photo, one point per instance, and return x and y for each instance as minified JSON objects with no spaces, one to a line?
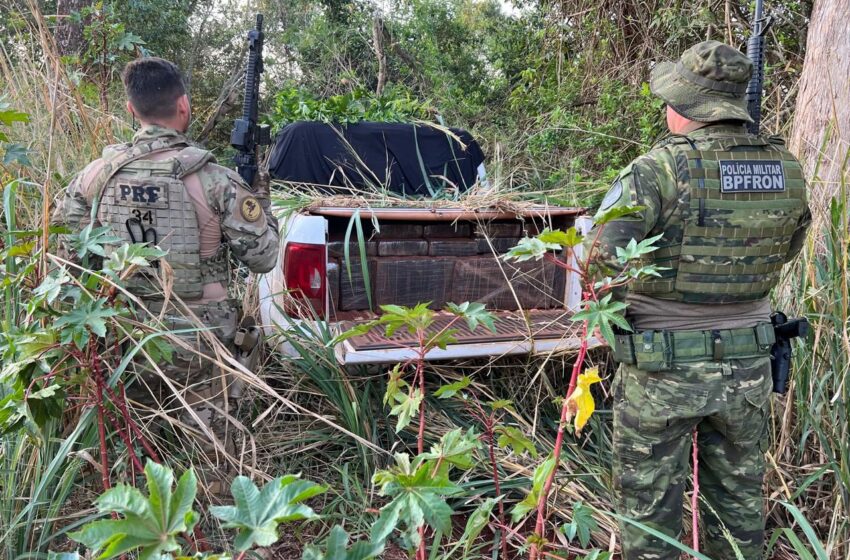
{"x":251,"y":209}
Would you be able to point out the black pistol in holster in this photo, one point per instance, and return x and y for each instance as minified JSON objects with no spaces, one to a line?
{"x":249,"y":344}
{"x":780,"y":353}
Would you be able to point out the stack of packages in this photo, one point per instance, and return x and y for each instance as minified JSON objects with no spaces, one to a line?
{"x":443,"y":262}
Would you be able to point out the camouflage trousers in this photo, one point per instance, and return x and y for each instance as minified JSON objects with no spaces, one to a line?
{"x":654,"y":416}
{"x":198,"y":396}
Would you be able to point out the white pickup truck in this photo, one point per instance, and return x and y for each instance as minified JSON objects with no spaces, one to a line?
{"x":415,"y":255}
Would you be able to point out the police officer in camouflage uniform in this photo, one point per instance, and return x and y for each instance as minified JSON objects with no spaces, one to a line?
{"x":731,"y":211}
{"x":162,"y":190}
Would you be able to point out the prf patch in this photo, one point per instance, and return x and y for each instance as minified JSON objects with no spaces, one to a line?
{"x":148,"y":194}
{"x":251,"y":209}
{"x":751,"y":176}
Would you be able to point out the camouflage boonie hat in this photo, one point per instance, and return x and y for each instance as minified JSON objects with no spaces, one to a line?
{"x":707,"y":84}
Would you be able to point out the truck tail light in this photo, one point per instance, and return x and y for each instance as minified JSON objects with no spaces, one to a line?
{"x":305,"y":275}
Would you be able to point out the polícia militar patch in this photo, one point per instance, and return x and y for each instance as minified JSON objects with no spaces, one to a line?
{"x":751,"y":176}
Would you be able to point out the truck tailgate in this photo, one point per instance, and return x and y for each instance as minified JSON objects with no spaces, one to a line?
{"x":534,"y":332}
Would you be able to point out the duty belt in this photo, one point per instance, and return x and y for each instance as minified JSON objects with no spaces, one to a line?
{"x":657,"y":350}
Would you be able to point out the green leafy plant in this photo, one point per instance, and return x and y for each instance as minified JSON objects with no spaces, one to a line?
{"x":417,"y":491}
{"x":13,"y":152}
{"x":148,"y":524}
{"x":257,"y":513}
{"x":599,"y":312}
{"x":337,"y":548}
{"x":394,"y":105}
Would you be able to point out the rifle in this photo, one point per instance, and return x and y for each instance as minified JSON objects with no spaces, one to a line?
{"x":247,"y":135}
{"x":780,"y":353}
{"x":755,"y":52}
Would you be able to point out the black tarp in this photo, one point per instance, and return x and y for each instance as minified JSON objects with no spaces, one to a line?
{"x":403,"y":158}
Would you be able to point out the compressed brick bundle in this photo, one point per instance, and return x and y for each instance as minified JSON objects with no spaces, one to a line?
{"x":409,"y":281}
{"x":448,"y":229}
{"x":401,"y":230}
{"x":453,"y":247}
{"x":498,"y":229}
{"x":537,"y":284}
{"x":337,"y":249}
{"x":499,"y":244}
{"x":352,"y":292}
{"x":403,"y":248}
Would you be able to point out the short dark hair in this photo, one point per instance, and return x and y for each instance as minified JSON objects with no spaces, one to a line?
{"x":153,"y":86}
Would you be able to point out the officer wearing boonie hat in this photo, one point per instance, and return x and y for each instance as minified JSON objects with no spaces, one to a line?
{"x":731,"y":210}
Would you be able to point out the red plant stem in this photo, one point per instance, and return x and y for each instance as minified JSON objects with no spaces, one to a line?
{"x":120,"y":402}
{"x":488,"y":425}
{"x":695,"y":496}
{"x":539,"y":526}
{"x":101,"y":411}
{"x":137,"y":464}
{"x":200,"y":540}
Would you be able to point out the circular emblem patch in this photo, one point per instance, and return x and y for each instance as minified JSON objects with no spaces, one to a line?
{"x":251,"y":209}
{"x":613,"y":195}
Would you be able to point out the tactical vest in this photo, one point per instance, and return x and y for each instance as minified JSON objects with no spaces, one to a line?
{"x":726,"y":236}
{"x":145,"y":201}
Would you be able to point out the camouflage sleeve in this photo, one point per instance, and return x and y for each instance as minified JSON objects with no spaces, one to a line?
{"x":636,"y":185}
{"x":799,"y":236}
{"x":72,"y":211}
{"x":251,"y":231}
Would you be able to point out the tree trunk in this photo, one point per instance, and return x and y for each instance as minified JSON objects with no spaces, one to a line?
{"x":69,"y":34}
{"x":821,"y":132}
{"x":378,"y":39}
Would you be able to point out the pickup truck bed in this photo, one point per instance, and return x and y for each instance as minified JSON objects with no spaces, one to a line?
{"x":415,"y":255}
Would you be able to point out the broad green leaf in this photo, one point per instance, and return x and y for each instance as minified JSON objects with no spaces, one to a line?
{"x":581,"y":525}
{"x":387,"y":522}
{"x":512,"y":437}
{"x":473,"y":313}
{"x":16,"y":153}
{"x":395,"y":385}
{"x":406,"y":408}
{"x":580,"y":403}
{"x":257,"y":513}
{"x":136,"y":254}
{"x":502,"y":404}
{"x":530,"y":248}
{"x":634,"y":250}
{"x":90,"y":240}
{"x":418,"y":498}
{"x":538,"y":481}
{"x":148,"y":525}
{"x":603,"y":314}
{"x":9,"y":116}
{"x":452,"y":389}
{"x":569,"y":238}
{"x":51,"y":286}
{"x":455,"y":448}
{"x":128,"y":42}
{"x":357,"y":330}
{"x":336,"y":548}
{"x":87,"y":316}
{"x":615,"y":213}
{"x":476,"y":523}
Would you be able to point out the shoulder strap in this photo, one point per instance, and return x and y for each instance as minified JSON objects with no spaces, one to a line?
{"x":192,"y":159}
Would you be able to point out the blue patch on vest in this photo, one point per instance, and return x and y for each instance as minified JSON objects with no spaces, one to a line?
{"x":755,"y":176}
